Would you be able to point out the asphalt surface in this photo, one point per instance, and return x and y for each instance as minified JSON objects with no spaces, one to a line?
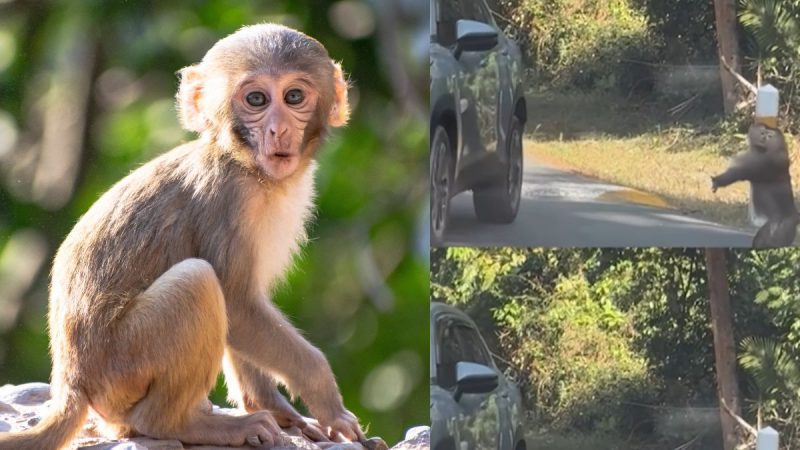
{"x":562,"y":209}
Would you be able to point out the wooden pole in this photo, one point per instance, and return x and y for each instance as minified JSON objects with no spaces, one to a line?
{"x":724,"y":347}
{"x":728,"y":49}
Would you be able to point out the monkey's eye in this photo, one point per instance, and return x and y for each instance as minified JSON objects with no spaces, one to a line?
{"x":256,"y":99}
{"x":294,"y":97}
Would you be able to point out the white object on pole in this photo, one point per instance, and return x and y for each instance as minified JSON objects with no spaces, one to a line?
{"x":767,"y":439}
{"x":767,"y":101}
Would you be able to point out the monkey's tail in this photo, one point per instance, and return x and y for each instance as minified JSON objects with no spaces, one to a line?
{"x":54,"y":431}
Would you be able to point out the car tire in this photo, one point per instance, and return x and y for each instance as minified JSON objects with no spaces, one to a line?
{"x":500,"y":203}
{"x":441,"y":183}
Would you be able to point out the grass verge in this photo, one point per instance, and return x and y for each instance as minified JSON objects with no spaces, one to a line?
{"x":630,"y":145}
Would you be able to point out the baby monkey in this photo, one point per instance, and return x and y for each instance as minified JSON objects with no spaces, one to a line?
{"x":766,"y":167}
{"x":167,"y":274}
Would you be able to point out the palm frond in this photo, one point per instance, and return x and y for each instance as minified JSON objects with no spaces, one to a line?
{"x":774,"y":370}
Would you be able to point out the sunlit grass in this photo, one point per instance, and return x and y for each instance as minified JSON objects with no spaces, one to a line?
{"x":587,"y":136}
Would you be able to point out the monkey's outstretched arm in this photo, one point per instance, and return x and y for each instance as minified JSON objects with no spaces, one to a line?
{"x":262,"y":335}
{"x":748,"y":166}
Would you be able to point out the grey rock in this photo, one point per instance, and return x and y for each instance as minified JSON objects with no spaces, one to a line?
{"x":127,"y":445}
{"x":135,"y":444}
{"x":5,"y":408}
{"x":22,"y":407}
{"x":417,"y":438}
{"x":342,"y":446}
{"x":25,"y":394}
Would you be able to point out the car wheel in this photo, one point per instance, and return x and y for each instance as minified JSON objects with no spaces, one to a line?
{"x":500,"y":203}
{"x":441,"y":183}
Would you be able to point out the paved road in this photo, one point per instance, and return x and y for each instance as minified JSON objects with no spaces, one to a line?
{"x":561,"y":209}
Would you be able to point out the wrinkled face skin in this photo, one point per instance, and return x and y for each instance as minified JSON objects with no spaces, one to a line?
{"x":265,"y":96}
{"x":271,"y":115}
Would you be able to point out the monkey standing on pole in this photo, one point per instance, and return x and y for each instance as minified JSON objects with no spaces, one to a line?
{"x":766,"y":167}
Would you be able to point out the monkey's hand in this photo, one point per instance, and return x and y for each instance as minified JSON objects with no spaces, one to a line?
{"x":285,"y":415}
{"x":344,"y":426}
{"x":308,"y":426}
{"x":714,"y":185}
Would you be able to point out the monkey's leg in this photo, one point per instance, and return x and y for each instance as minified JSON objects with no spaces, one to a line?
{"x":777,"y":233}
{"x":263,"y":336}
{"x":253,"y":390}
{"x":176,"y":332}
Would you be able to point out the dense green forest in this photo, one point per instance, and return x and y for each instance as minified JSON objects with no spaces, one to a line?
{"x":633,"y":92}
{"x":615,"y":346}
{"x":627,"y":46}
{"x":87,"y":94}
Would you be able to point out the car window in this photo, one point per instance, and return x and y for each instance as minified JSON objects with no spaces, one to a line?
{"x":473,"y":347}
{"x":476,"y":10}
{"x":450,"y":12}
{"x":458,"y":342}
{"x":450,"y":352}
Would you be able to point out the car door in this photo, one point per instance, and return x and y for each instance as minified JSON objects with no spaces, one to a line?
{"x":477,"y":82}
{"x":507,"y":70}
{"x":485,"y":424}
{"x":474,"y":427}
{"x":476,"y":350}
{"x":483,"y":80}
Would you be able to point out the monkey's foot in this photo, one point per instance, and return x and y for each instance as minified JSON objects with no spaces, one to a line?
{"x":256,"y":430}
{"x":310,"y":428}
{"x":344,"y":425}
{"x":286,"y":416}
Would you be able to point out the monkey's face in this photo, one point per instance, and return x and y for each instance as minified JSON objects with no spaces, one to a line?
{"x":762,"y":138}
{"x":265,"y":95}
{"x":271,"y":114}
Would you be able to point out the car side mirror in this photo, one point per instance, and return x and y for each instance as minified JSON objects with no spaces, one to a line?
{"x":473,"y":378}
{"x":474,"y":36}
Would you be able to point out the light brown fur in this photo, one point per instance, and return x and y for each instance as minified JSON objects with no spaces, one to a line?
{"x":170,"y":268}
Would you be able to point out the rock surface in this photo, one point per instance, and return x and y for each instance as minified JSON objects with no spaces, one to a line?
{"x":23,"y":406}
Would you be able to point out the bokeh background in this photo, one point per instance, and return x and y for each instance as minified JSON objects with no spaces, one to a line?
{"x":86,"y":95}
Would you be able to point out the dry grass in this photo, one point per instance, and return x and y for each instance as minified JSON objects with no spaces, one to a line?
{"x":588,"y":136}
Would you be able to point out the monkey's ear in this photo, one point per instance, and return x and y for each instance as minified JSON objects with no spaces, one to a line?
{"x":189,"y":94}
{"x":340,"y":111}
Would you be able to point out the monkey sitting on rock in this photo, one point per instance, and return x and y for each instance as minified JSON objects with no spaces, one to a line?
{"x":168,"y":273}
{"x":766,"y":166}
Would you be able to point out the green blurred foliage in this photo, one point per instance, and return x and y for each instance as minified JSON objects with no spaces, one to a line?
{"x":86,"y":95}
{"x":584,"y":44}
{"x":607,"y":340}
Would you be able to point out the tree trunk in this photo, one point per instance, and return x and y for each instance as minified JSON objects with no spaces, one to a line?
{"x":724,"y":347}
{"x":728,"y":48}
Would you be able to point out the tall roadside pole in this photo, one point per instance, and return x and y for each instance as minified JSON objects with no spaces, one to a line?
{"x":728,"y":48}
{"x":724,"y":347}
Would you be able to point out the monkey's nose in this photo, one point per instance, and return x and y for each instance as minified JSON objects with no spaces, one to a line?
{"x":277,"y":130}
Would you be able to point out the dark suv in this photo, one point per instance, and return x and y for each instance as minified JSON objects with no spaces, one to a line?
{"x":478,"y":113}
{"x":473,"y":405}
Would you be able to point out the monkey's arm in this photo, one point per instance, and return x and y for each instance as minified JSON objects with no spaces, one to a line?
{"x":262,"y":336}
{"x":253,"y":390}
{"x":751,"y":166}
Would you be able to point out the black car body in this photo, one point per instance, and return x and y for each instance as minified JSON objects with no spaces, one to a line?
{"x":478,"y":113}
{"x":473,"y":405}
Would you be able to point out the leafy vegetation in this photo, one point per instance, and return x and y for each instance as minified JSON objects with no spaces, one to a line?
{"x":773,"y":33}
{"x":616,"y":343}
{"x":86,"y":95}
{"x":583,"y":44}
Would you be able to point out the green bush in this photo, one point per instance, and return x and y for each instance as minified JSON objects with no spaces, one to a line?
{"x":584,"y":372}
{"x":589,"y":44}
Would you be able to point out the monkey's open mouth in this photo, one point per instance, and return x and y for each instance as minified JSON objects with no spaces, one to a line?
{"x":282,"y":155}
